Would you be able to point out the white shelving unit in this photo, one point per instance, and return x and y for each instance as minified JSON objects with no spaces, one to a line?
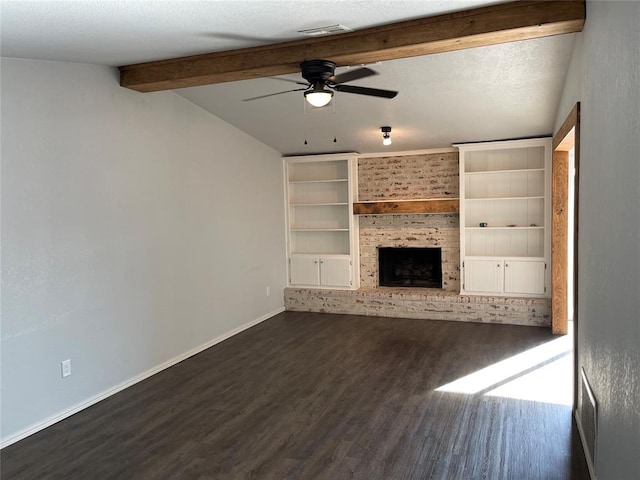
{"x":321,"y":229}
{"x":505,"y":233}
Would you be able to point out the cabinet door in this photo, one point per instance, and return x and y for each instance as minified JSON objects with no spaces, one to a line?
{"x":484,"y":276}
{"x":335,"y":271}
{"x":524,"y":277}
{"x":304,"y":270}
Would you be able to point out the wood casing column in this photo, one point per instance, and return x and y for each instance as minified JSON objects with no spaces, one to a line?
{"x":559,"y":241}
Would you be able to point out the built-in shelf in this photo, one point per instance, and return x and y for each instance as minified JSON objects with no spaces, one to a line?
{"x":322,"y":236}
{"x":294,"y":229}
{"x":519,"y":170}
{"x":505,"y":198}
{"x":505,"y":228}
{"x":298,"y":182}
{"x":317,"y":204}
{"x":504,"y":217}
{"x":385,"y":207}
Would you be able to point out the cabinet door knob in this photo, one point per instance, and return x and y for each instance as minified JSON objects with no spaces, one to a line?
{"x":506,"y":264}
{"x":315,"y":261}
{"x":498,"y":265}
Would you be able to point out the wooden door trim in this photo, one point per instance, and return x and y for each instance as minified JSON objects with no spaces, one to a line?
{"x":560,"y":139}
{"x":563,"y":141}
{"x":570,"y":130}
{"x":559,"y":241}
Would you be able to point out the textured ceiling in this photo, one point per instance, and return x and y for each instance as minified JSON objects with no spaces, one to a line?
{"x":504,"y":91}
{"x":488,"y":93}
{"x":119,"y":32}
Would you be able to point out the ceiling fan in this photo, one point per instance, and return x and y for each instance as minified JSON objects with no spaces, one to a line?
{"x":321,"y":83}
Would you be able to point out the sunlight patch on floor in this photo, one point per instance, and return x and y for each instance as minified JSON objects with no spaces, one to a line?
{"x":541,"y":374}
{"x":550,"y":383}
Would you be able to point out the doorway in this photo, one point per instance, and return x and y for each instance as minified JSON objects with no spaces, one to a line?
{"x":564,"y":228}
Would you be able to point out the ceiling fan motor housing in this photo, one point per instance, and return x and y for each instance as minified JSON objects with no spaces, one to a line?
{"x":314,"y":71}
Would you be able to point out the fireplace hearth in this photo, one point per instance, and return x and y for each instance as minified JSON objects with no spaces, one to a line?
{"x":410,"y":267}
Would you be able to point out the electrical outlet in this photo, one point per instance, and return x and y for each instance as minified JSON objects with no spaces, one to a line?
{"x":268,"y":291}
{"x":66,"y":368}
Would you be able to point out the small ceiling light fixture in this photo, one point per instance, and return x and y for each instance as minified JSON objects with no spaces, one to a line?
{"x":318,"y":96}
{"x":386,"y":135}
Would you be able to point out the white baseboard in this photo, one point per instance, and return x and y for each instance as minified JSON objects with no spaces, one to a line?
{"x":36,"y":427}
{"x":592,"y":470}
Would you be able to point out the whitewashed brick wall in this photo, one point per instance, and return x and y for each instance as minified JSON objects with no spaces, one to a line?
{"x":408,"y":178}
{"x":421,"y":303}
{"x":415,"y":230}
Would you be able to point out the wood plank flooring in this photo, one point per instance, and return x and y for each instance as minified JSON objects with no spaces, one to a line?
{"x":317,"y":396}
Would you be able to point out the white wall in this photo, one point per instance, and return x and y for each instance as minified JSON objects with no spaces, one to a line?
{"x":135,"y":228}
{"x":606,"y":80}
{"x":573,"y":82}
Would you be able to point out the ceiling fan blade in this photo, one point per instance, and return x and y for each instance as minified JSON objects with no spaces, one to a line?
{"x":273,"y":94}
{"x":291,"y":81}
{"x":351,"y":75}
{"x":373,"y":92}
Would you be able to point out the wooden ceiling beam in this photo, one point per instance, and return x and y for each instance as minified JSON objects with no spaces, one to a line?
{"x":502,"y":23}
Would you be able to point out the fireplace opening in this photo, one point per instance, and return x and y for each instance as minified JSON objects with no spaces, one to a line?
{"x":410,"y":267}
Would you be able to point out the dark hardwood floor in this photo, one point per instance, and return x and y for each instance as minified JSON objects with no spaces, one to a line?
{"x":317,"y":396}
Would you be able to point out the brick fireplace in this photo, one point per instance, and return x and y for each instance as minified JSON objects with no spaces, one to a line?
{"x":414,"y":230}
{"x":412,"y":177}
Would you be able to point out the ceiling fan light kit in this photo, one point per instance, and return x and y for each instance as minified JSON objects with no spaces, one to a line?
{"x":321,"y":83}
{"x":319,"y":97}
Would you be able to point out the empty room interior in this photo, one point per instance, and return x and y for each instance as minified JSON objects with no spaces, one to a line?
{"x":320,"y":239}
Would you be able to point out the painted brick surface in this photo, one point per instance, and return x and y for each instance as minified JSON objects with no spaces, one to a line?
{"x":408,"y":177}
{"x":415,"y":230}
{"x":421,"y":304}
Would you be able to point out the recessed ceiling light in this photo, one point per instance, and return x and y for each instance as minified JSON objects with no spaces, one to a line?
{"x":330,"y":30}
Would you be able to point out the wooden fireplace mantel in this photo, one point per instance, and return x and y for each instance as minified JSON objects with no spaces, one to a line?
{"x":437,"y":205}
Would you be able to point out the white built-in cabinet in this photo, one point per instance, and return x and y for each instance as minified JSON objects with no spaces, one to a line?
{"x":322,"y":237}
{"x":505,"y":210}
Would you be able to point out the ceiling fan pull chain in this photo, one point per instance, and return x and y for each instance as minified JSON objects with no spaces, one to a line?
{"x":335,"y":138}
{"x":304,"y":107}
